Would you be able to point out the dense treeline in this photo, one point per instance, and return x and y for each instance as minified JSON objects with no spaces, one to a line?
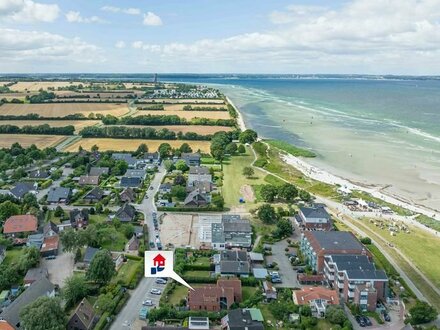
{"x":165,"y":120}
{"x":202,"y":108}
{"x":40,"y":129}
{"x":124,"y":132}
{"x":41,"y":97}
{"x":152,"y":107}
{"x":16,"y":156}
{"x":34,"y":116}
{"x":14,"y":101}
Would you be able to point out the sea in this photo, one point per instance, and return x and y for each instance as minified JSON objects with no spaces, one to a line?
{"x":381,"y":131}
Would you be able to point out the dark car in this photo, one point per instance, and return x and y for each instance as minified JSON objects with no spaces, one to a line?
{"x":367,"y":321}
{"x":360,"y":320}
{"x":386,"y":317}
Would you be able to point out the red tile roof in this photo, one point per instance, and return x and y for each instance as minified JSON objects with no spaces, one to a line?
{"x":307,"y":294}
{"x":4,"y":325}
{"x":20,"y":224}
{"x":50,"y":243}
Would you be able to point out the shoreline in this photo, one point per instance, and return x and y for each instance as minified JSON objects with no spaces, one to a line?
{"x":329,"y":178}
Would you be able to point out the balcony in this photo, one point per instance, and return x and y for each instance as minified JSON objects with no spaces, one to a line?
{"x":363,"y":302}
{"x":350,"y":294}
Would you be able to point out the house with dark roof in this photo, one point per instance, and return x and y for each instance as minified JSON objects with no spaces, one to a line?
{"x":2,"y":253}
{"x":50,"y":229}
{"x":83,"y":318}
{"x":89,"y":254}
{"x":128,"y":158}
{"x":196,"y":199}
{"x":130,"y":182}
{"x":135,"y":174}
{"x":79,"y":218}
{"x":198,"y":173}
{"x":98,"y":171}
{"x":88,"y":180}
{"x":38,"y":174}
{"x":203,"y":186}
{"x":231,"y":232}
{"x":39,"y":288}
{"x":165,"y":188}
{"x":191,"y":159}
{"x":34,"y":274}
{"x":132,"y":245}
{"x":22,"y":188}
{"x":35,"y":240}
{"x":59,"y":195}
{"x":152,"y":158}
{"x":243,"y":319}
{"x":16,"y":224}
{"x":316,"y":245}
{"x":126,"y":213}
{"x":232,"y":263}
{"x":314,"y":218}
{"x":127,"y":195}
{"x":94,"y":195}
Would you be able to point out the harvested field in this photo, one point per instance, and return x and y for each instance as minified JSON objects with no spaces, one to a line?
{"x":195,"y":101}
{"x":20,"y":96}
{"x":79,"y":124}
{"x":177,"y":229}
{"x":41,"y":141}
{"x":199,"y":129}
{"x":37,"y":85}
{"x":138,"y":85}
{"x":63,"y":109}
{"x":186,"y":114}
{"x":133,"y":144}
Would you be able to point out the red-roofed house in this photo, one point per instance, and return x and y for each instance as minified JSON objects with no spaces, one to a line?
{"x":16,"y":224}
{"x":50,"y":246}
{"x":318,"y":298}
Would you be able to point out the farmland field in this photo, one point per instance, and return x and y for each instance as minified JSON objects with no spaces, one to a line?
{"x":41,"y":141}
{"x":133,"y":144}
{"x":37,"y":85}
{"x":79,"y":124}
{"x":199,"y":129}
{"x":187,"y":114}
{"x":63,"y":109}
{"x":19,"y":96}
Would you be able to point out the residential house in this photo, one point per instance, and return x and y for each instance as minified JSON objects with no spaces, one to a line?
{"x":79,"y":218}
{"x":88,"y":180}
{"x":20,"y":224}
{"x":89,"y":254}
{"x":39,"y":175}
{"x":128,"y":158}
{"x":214,"y":297}
{"x":152,"y":158}
{"x":315,"y":245}
{"x":59,"y":195}
{"x":314,"y":218}
{"x":50,"y":246}
{"x":132,"y":245}
{"x":196,"y":198}
{"x":50,"y":229}
{"x":130,"y":182}
{"x":243,"y":319}
{"x":83,"y":318}
{"x":98,"y":171}
{"x":2,"y":253}
{"x":127,"y":195}
{"x":165,"y":188}
{"x":191,"y":159}
{"x":138,"y":231}
{"x":39,"y":288}
{"x":232,"y":263}
{"x":270,"y":292}
{"x":198,"y":173}
{"x":135,"y":174}
{"x":35,"y":240}
{"x":4,"y":325}
{"x":356,"y":279}
{"x":34,"y":274}
{"x":203,"y":186}
{"x":23,"y":188}
{"x":94,"y":195}
{"x":126,"y":213}
{"x":317,"y":297}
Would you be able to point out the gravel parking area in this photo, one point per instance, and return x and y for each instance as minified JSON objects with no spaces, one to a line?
{"x":60,"y":268}
{"x":288,"y":275}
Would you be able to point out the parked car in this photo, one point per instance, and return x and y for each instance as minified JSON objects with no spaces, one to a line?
{"x":161,"y":281}
{"x":148,"y":302}
{"x":367,"y":320}
{"x":159,"y":246}
{"x":155,"y":291}
{"x":360,"y":320}
{"x":50,"y":257}
{"x":276,"y":280}
{"x":386,"y":317}
{"x":152,"y":245}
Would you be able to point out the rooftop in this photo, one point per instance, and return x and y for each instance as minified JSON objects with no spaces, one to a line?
{"x":334,"y":240}
{"x":199,"y":170}
{"x":20,"y":224}
{"x":308,"y":294}
{"x":314,"y":212}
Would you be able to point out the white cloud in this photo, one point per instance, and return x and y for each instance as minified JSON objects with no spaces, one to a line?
{"x":27,"y":11}
{"x":31,"y":46}
{"x":152,"y":19}
{"x":75,"y":17}
{"x":128,"y":11}
{"x":120,"y":44}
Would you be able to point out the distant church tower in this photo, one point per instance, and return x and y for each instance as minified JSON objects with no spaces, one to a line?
{"x":155,"y":78}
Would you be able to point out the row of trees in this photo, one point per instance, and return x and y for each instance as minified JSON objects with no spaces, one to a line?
{"x":41,"y":97}
{"x":40,"y":129}
{"x":35,"y":116}
{"x":125,"y":132}
{"x":286,"y":192}
{"x":16,"y":156}
{"x":165,"y":120}
{"x":202,"y":108}
{"x":152,"y":107}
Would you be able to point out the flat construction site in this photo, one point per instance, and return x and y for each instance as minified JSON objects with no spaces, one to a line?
{"x":178,"y":229}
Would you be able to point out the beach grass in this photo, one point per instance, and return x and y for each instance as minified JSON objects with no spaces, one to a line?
{"x":291,"y":149}
{"x":428,"y":222}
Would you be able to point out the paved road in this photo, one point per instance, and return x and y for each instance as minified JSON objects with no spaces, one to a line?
{"x":129,"y":315}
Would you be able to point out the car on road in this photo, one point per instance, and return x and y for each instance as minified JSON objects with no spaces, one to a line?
{"x":161,"y":281}
{"x":155,"y":291}
{"x":148,"y":302}
{"x":151,"y":187}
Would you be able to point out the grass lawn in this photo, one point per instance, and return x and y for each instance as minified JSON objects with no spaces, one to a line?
{"x":198,"y":273}
{"x":13,"y":255}
{"x":127,"y":272}
{"x":202,"y":261}
{"x":113,"y":240}
{"x":248,"y":291}
{"x":50,"y":216}
{"x":177,"y":295}
{"x":234,"y":179}
{"x":97,"y":218}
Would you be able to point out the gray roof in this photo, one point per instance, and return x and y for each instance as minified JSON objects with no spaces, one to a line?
{"x":130,"y":182}
{"x":97,"y":171}
{"x":233,"y":255}
{"x":37,"y":289}
{"x":195,"y":196}
{"x":237,"y":226}
{"x":230,"y":217}
{"x":166,"y":185}
{"x":217,"y":234}
{"x":240,"y":319}
{"x":260,"y":272}
{"x":366,"y":274}
{"x":357,"y":267}
{"x":234,"y":267}
{"x":89,"y":254}
{"x":127,"y":211}
{"x":256,"y":256}
{"x":314,"y":212}
{"x":128,"y":158}
{"x":198,"y":170}
{"x":135,"y":174}
{"x":55,"y":194}
{"x":22,"y":188}
{"x":39,"y":174}
{"x":191,"y":156}
{"x":337,"y":240}
{"x":152,"y":155}
{"x":34,"y":274}
{"x":95,"y":193}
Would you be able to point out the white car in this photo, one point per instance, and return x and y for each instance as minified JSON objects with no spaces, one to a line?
{"x":161,"y":281}
{"x":148,"y":302}
{"x":155,"y":291}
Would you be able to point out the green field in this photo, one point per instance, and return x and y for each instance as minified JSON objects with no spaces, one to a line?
{"x":291,"y":149}
{"x":13,"y":255}
{"x":127,"y":272}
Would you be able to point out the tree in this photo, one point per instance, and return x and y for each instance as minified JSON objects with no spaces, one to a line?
{"x":101,"y":268}
{"x":284,"y":228}
{"x":288,"y":192}
{"x":248,"y":136}
{"x":241,"y":149}
{"x":78,"y":255}
{"x":248,"y":171}
{"x":179,"y":180}
{"x":143,"y":148}
{"x":185,"y":147}
{"x":267,"y":214}
{"x":366,"y":240}
{"x":43,"y":314}
{"x":8,"y":209}
{"x":105,"y":302}
{"x":59,"y":212}
{"x":169,"y":165}
{"x":231,"y":148}
{"x":179,"y":192}
{"x":181,"y":165}
{"x":94,"y":148}
{"x":75,"y":288}
{"x":335,"y":315}
{"x":421,"y":313}
{"x":218,"y":201}
{"x":69,"y":240}
{"x":30,"y":258}
{"x":164,"y":150}
{"x":268,"y":193}
{"x":305,"y":196}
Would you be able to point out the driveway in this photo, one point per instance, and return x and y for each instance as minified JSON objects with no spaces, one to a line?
{"x":60,"y":268}
{"x":288,"y":275}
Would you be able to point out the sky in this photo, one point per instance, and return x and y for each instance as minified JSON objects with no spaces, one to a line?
{"x":220,"y":36}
